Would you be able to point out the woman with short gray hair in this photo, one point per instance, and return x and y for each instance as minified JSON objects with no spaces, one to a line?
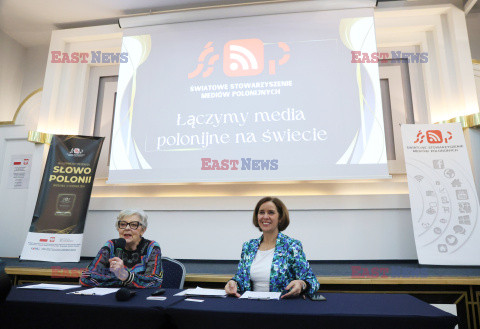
{"x":131,"y":260}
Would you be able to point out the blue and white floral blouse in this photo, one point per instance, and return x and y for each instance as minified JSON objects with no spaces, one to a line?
{"x":289,"y":263}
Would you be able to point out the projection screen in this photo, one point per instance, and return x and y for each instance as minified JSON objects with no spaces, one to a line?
{"x":261,"y":98}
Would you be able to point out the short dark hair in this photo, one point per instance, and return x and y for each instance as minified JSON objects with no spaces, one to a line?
{"x":283,"y":217}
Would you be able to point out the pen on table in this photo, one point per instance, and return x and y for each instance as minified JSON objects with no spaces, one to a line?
{"x":82,"y":293}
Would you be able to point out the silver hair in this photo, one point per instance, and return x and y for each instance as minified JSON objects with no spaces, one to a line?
{"x":129,"y":212}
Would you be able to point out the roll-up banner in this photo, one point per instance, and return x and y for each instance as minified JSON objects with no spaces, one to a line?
{"x":443,"y":198}
{"x":56,"y":232}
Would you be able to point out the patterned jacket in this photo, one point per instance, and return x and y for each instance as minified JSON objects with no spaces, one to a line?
{"x":144,"y":266}
{"x":289,"y":263}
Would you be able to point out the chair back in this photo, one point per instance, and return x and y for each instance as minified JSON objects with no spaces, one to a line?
{"x":173,"y":273}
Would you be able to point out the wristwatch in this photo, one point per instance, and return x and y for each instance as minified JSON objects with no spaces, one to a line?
{"x":304,"y":286}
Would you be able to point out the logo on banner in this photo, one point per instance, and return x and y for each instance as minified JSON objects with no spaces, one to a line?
{"x":76,"y":152}
{"x":433,"y":137}
{"x":243,"y":57}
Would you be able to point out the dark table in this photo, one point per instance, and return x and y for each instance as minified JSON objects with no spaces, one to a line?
{"x":43,"y":309}
{"x":358,"y":311}
{"x":25,"y":308}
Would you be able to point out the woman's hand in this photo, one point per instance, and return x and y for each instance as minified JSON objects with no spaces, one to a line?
{"x":231,"y":288}
{"x":295,"y":287}
{"x":117,"y":267}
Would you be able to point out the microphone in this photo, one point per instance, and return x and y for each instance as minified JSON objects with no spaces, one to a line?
{"x":120,"y":246}
{"x":124,"y":294}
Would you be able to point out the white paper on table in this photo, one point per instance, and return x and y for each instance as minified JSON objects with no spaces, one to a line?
{"x":261,"y":295}
{"x":203,"y":292}
{"x":50,"y":286}
{"x":156,"y":298}
{"x":95,"y":291}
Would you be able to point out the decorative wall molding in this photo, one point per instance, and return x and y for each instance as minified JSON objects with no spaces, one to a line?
{"x":19,"y":108}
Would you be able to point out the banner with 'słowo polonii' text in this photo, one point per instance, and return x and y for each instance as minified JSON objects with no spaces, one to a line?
{"x":443,"y":198}
{"x":56,"y":232}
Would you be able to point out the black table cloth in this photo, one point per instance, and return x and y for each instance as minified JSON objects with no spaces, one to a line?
{"x":25,"y":308}
{"x":358,"y":311}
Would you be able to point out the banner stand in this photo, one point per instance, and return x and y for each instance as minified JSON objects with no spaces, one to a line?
{"x":443,"y":198}
{"x":56,"y":232}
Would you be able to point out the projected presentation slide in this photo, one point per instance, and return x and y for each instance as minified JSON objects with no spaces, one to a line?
{"x":263,"y":98}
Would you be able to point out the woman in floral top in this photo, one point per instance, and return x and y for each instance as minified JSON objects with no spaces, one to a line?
{"x":273,"y":262}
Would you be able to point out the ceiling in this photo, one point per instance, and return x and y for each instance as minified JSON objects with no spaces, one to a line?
{"x":30,"y":22}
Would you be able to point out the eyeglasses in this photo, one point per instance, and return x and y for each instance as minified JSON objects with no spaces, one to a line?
{"x":133,"y":225}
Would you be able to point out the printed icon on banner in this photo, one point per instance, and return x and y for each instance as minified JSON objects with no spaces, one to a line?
{"x":434,"y":136}
{"x":419,"y":178}
{"x":433,"y":208}
{"x":430,"y":193}
{"x":442,"y":248}
{"x":462,"y":194}
{"x":465,"y":220}
{"x":243,"y":57}
{"x":464,"y":207}
{"x":459,"y":229}
{"x":437,"y":230}
{"x":446,"y":209}
{"x":451,"y":240}
{"x":52,"y":239}
{"x":445,"y":199}
{"x":456,"y":183}
{"x":25,"y":161}
{"x":443,"y":220}
{"x":448,"y":137}
{"x":438,"y":164}
{"x":420,"y":137}
{"x":449,"y":173}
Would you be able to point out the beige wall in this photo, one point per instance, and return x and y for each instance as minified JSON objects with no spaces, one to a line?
{"x":12,"y":59}
{"x":34,"y":69}
{"x":473,"y":26}
{"x":22,"y":70}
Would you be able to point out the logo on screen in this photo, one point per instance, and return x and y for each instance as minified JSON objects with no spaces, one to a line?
{"x":243,"y":57}
{"x":433,"y":137}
